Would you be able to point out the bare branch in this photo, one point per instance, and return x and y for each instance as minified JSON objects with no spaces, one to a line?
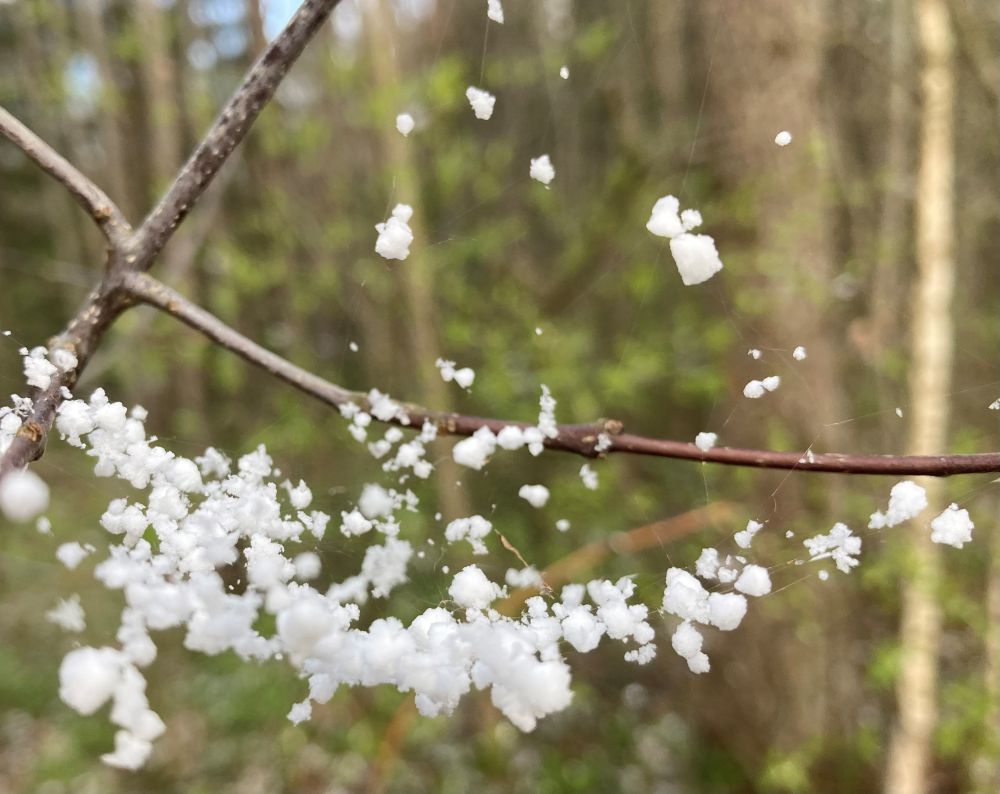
{"x":579,"y":439}
{"x":81,"y":338}
{"x":102,"y":209}
{"x":228,"y":130}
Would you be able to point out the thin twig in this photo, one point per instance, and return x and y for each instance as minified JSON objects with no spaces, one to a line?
{"x":228,"y":130}
{"x":102,"y":210}
{"x":579,"y":439}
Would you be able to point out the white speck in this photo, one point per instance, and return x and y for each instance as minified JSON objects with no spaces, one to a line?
{"x":395,"y":235}
{"x":472,"y":529}
{"x":695,"y":255}
{"x":754,"y":390}
{"x":300,"y":712}
{"x":899,"y":412}
{"x":482,"y":102}
{"x":463,"y":377}
{"x":525,"y":577}
{"x":771,"y":383}
{"x":307,"y":565}
{"x":823,"y":575}
{"x":995,"y":405}
{"x":589,"y":477}
{"x":63,"y":359}
{"x":542,"y":170}
{"x":783,"y":138}
{"x":23,"y":496}
{"x":564,"y":72}
{"x":906,"y":501}
{"x":953,"y":527}
{"x":475,"y":450}
{"x":471,"y":589}
{"x":744,"y":538}
{"x":754,"y":580}
{"x":535,"y":495}
{"x":38,"y":370}
{"x":707,"y":564}
{"x":72,"y":554}
{"x":405,"y":124}
{"x":354,"y":523}
{"x":494,"y":10}
{"x":68,"y":614}
{"x":839,"y":544}
{"x":354,"y":347}
{"x":705,"y":441}
{"x":538,"y":332}
{"x":754,"y":353}
{"x":799,"y":353}
{"x":562,"y":525}
{"x":789,"y":534}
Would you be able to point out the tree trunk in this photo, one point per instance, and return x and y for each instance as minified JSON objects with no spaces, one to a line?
{"x":115,"y":179}
{"x":255,"y":22}
{"x":764,"y":72}
{"x":162,"y":107}
{"x":910,"y":750}
{"x":893,"y":225}
{"x":417,"y":272}
{"x":985,"y":774}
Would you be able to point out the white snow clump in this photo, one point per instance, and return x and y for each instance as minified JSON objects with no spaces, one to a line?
{"x":906,"y":500}
{"x":395,"y":235}
{"x":953,"y":527}
{"x":695,"y":255}
{"x":756,"y":389}
{"x":23,"y":496}
{"x":405,"y":124}
{"x":542,"y":170}
{"x":705,"y":441}
{"x":472,"y":529}
{"x":482,"y":102}
{"x":463,"y":377}
{"x":535,"y":495}
{"x":744,"y":538}
{"x":839,"y":544}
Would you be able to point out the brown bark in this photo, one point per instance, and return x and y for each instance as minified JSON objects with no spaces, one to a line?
{"x":764,"y":73}
{"x":894,"y":225}
{"x":910,"y":753}
{"x":158,"y":71}
{"x":985,"y":772}
{"x":92,"y":30}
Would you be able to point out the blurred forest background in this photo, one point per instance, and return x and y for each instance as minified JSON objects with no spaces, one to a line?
{"x":663,"y":96}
